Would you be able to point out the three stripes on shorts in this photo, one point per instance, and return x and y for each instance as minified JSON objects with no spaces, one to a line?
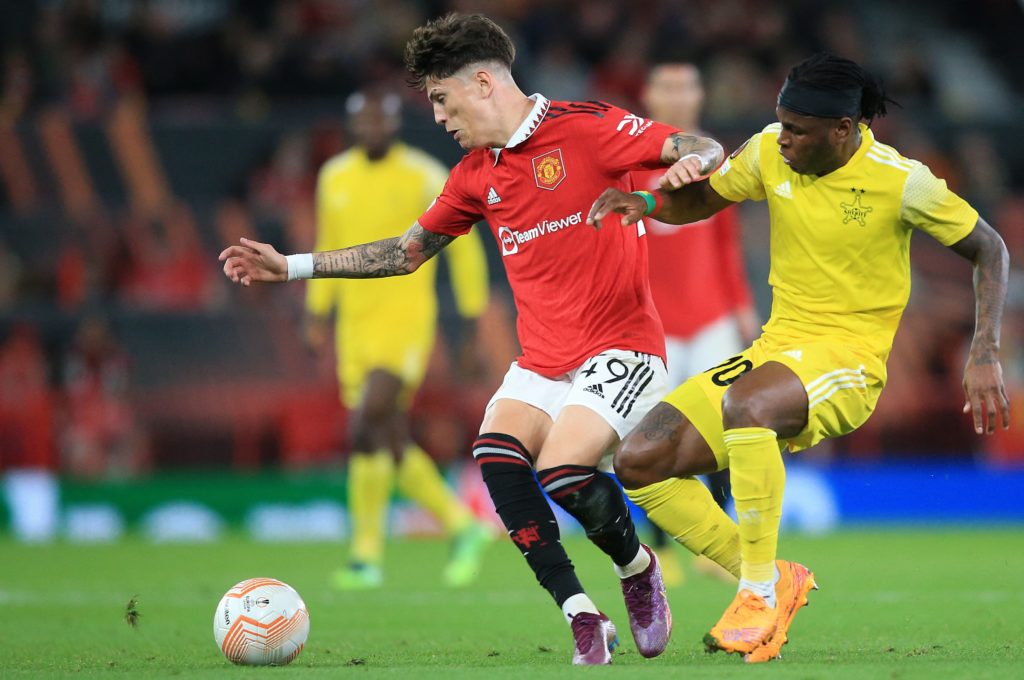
{"x":639,"y":378}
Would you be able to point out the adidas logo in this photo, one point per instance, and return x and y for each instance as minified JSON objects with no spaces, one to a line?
{"x":595,"y":389}
{"x":493,"y":197}
{"x":797,"y":354}
{"x":784,"y":190}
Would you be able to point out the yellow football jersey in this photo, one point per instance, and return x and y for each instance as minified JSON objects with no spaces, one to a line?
{"x":358,"y":201}
{"x":840,"y":243}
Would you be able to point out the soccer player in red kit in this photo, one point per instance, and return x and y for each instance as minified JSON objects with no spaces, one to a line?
{"x":593,"y":347}
{"x":697,"y":277}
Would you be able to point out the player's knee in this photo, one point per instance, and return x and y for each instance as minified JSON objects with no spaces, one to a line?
{"x":634,"y":460}
{"x":595,"y":501}
{"x":378,"y":410}
{"x":362,"y":438}
{"x":742,"y":408}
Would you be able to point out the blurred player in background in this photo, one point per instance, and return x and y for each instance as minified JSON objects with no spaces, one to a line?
{"x":593,"y":347}
{"x":28,"y":457}
{"x":384,"y":332}
{"x":697,"y":277}
{"x":843,"y":208}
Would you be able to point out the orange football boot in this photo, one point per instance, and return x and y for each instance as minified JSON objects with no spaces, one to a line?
{"x":745,"y":625}
{"x":791,"y":590}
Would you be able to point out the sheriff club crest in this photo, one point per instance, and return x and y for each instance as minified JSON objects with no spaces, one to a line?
{"x":549,"y":169}
{"x":854,"y":210}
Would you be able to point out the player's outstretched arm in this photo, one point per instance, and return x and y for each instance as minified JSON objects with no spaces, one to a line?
{"x":691,"y":158}
{"x":692,"y":203}
{"x":983,"y":375}
{"x":253,"y":261}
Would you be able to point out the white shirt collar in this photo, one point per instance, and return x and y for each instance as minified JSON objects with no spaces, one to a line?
{"x":528,"y":126}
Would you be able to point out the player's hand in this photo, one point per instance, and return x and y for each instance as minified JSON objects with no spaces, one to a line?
{"x":630,"y":206}
{"x":986,"y":395}
{"x":684,"y":171}
{"x":253,"y":261}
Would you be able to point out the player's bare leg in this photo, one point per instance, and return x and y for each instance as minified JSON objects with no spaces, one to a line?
{"x":567,"y":469}
{"x":664,"y":445}
{"x":373,"y":422}
{"x":511,"y":434}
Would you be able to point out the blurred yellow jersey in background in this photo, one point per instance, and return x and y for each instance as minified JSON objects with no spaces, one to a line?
{"x":387,"y":323}
{"x":840,"y":243}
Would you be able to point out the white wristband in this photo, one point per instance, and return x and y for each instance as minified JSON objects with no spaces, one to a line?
{"x":699,"y":160}
{"x":300,"y":266}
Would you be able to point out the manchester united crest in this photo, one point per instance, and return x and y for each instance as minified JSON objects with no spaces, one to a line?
{"x":549,"y":169}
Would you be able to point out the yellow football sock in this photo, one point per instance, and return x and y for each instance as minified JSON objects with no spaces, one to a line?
{"x":370,"y":479}
{"x":758,"y":480}
{"x":419,"y":480}
{"x":684,"y":508}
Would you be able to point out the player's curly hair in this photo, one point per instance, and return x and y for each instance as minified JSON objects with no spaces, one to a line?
{"x":828,"y":71}
{"x":443,"y":46}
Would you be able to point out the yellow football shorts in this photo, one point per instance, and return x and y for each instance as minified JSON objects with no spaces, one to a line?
{"x":843,"y":385}
{"x":401,"y":348}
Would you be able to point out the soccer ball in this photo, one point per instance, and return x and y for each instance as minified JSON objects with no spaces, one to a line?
{"x":261,"y":622}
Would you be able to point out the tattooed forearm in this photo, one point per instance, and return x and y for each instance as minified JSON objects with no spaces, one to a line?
{"x":421,"y":245}
{"x":708,"y":150}
{"x":990,"y":275}
{"x":388,"y":257}
{"x":369,"y":260}
{"x":991,"y":261}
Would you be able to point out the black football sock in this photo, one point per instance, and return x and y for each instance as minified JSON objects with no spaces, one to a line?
{"x":507,"y":469}
{"x":597,"y":503}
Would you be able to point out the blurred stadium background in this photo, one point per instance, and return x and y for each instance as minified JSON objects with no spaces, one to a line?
{"x":139,"y":391}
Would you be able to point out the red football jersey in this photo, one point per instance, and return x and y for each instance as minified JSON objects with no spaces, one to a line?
{"x":578,"y":290}
{"x":697,"y":272}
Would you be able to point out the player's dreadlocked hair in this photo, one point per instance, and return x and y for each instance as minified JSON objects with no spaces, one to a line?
{"x":828,"y":71}
{"x":443,"y":46}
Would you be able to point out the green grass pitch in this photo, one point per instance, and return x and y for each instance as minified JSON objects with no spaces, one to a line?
{"x":930,"y":603}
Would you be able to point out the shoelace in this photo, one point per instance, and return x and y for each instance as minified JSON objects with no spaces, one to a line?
{"x":752,"y":602}
{"x":639,"y":601}
{"x":581,"y":631}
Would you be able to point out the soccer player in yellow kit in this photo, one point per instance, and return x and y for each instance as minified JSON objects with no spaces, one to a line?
{"x":843,"y":207}
{"x":384,"y":333}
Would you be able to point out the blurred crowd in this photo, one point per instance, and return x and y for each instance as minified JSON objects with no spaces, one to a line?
{"x":73,"y":251}
{"x":85,"y":53}
{"x":86,"y":426}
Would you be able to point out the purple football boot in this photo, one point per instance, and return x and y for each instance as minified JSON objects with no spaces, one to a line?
{"x":595,"y":638}
{"x":650,"y":619}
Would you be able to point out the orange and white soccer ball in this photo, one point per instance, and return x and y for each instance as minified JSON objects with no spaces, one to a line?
{"x":261,"y":622}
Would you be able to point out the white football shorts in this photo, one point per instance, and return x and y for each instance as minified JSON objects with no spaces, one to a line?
{"x":619,"y":385}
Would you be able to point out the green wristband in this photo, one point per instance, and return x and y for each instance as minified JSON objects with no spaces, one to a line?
{"x":649,"y":200}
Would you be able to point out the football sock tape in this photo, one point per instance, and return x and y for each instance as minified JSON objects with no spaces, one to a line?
{"x":597,"y":503}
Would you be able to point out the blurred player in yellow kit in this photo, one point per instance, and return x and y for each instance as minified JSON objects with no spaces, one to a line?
{"x":384,"y":334}
{"x":843,"y":208}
